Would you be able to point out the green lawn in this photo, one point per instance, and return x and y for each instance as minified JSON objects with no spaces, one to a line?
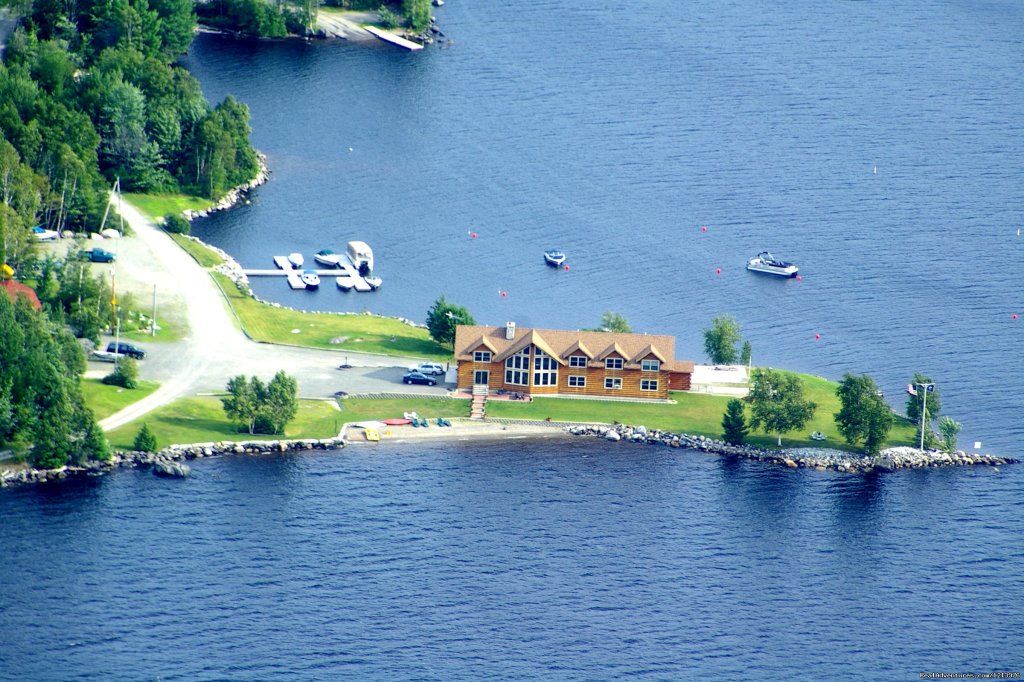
{"x":202,"y":255}
{"x":694,"y":413}
{"x":106,"y":400}
{"x":365,"y":409}
{"x":201,"y":419}
{"x":364,"y":333}
{"x":157,"y":206}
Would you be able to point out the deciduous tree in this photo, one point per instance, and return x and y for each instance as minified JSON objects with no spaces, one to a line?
{"x":443,"y":317}
{"x":614,"y":322}
{"x":777,"y":402}
{"x":863,"y":415}
{"x":720,"y":340}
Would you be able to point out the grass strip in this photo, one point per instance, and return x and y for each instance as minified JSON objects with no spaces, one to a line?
{"x":201,"y":419}
{"x":355,"y":332}
{"x":106,"y":400}
{"x":158,"y":206}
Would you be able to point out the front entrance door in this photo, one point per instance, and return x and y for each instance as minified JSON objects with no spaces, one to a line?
{"x":481,"y":376}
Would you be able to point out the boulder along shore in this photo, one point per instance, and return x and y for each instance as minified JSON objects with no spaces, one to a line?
{"x":822,"y":459}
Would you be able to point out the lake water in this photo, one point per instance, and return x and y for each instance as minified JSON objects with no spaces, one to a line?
{"x":878,"y":145}
{"x":558,"y":561}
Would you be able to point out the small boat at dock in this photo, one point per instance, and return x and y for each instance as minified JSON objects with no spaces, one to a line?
{"x":328,"y":258}
{"x":310,"y":279}
{"x":554,"y":257}
{"x":374,"y":282}
{"x":767,"y":263}
{"x":361,"y":256}
{"x":296,"y":260}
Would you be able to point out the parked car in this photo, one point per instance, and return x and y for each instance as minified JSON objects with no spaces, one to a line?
{"x":418,"y":378}
{"x":431,"y":368}
{"x":128,"y":349}
{"x":97,"y":255}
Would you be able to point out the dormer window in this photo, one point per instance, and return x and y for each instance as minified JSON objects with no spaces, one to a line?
{"x":650,"y":365}
{"x":482,"y":356}
{"x":613,"y":363}
{"x":577,"y":360}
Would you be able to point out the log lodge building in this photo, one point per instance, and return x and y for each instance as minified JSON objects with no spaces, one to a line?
{"x":569,"y":363}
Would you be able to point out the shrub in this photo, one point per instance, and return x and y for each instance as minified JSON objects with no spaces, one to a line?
{"x":125,"y":375}
{"x":177,"y":224}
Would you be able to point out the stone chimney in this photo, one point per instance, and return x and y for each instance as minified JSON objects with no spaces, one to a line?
{"x":510,"y":330}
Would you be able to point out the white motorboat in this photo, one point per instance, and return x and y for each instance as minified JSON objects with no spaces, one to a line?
{"x":554,"y":257}
{"x":374,"y":282}
{"x":769,"y":265}
{"x":328,"y":258}
{"x":345,"y":283}
{"x":296,"y":260}
{"x":310,"y":279}
{"x":361,"y":256}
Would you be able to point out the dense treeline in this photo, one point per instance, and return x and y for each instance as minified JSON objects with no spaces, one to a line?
{"x":277,"y":19}
{"x":42,"y":414}
{"x":88,"y":93}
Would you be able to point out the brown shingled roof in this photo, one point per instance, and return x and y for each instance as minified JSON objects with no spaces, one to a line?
{"x":561,"y":343}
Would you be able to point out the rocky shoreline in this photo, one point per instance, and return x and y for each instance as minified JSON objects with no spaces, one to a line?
{"x":169,"y":462}
{"x":236,"y":194}
{"x":821,"y":459}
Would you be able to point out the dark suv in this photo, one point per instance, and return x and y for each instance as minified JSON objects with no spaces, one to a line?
{"x":128,"y":349}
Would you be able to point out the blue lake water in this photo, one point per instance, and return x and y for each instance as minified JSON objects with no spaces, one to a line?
{"x":575,"y":560}
{"x":878,"y":145}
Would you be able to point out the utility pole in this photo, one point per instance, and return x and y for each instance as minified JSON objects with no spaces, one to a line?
{"x":925,"y":390}
{"x":152,"y":318}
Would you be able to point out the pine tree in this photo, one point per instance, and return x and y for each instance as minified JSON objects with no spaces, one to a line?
{"x":734,"y":425}
{"x":145,"y":440}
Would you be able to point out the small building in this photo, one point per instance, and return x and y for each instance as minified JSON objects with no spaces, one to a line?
{"x":569,"y":363}
{"x":17,"y":289}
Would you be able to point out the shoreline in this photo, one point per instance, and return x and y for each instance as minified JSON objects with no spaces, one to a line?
{"x":170,"y":461}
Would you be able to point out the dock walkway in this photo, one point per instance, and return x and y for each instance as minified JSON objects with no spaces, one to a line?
{"x":393,"y":39}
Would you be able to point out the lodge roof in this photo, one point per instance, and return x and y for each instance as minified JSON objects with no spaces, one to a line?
{"x":560,"y":344}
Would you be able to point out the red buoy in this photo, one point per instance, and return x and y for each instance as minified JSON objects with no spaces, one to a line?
{"x":567,"y":268}
{"x":1015,"y":316}
{"x":472,"y":235}
{"x":718,"y":271}
{"x":799,"y":278}
{"x":504,"y":294}
{"x":817,"y":337}
{"x":703,"y":228}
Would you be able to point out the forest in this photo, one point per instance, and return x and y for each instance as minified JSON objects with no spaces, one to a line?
{"x":89,"y":94}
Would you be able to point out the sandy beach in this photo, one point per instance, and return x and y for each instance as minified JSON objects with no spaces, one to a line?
{"x":460,"y":429}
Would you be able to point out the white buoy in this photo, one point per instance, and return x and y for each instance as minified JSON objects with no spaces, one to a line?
{"x":875,"y":170}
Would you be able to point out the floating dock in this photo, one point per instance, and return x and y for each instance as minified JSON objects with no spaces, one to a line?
{"x":393,"y":39}
{"x":346,"y":275}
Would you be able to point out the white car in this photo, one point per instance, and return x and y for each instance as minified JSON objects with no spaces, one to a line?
{"x":429,"y":368}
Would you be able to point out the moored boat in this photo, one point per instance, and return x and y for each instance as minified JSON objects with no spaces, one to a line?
{"x":296,"y":259}
{"x":554,"y":257}
{"x":345,"y":283}
{"x":311,"y":280}
{"x":328,"y":258}
{"x":361,"y":256}
{"x":374,"y":282}
{"x":765,"y":262}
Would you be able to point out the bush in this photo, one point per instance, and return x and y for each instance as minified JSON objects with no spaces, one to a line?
{"x":176,"y":224}
{"x":145,"y":440}
{"x":125,"y":375}
{"x":388,"y":18}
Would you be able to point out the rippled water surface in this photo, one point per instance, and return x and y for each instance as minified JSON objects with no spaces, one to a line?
{"x":562,"y":560}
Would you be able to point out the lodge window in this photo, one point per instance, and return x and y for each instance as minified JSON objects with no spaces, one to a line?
{"x":482,"y":356}
{"x":576,"y":381}
{"x":613,"y":363}
{"x":650,"y":365}
{"x":545,"y":369}
{"x":517,"y":368}
{"x":648,"y":384}
{"x":577,"y":360}
{"x":613,"y":384}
